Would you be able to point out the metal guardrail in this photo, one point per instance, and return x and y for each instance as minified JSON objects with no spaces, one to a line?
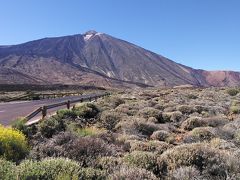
{"x":68,"y":103}
{"x":43,"y":95}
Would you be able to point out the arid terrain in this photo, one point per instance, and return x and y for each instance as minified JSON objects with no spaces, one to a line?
{"x":168,"y":133}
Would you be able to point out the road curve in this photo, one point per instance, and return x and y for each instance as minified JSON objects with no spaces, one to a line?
{"x":11,"y":110}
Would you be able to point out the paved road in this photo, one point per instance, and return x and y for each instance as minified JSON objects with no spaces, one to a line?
{"x":11,"y":110}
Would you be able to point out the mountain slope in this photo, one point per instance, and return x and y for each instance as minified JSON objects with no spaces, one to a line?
{"x":99,"y":59}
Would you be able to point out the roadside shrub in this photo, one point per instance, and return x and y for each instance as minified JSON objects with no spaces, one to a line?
{"x":51,"y":126}
{"x":86,"y":110}
{"x":66,"y":113}
{"x":88,"y":131}
{"x":7,"y":170}
{"x":109,"y":119}
{"x":20,"y":124}
{"x":50,"y":168}
{"x":202,"y":157}
{"x":13,"y":144}
{"x":192,"y":123}
{"x":132,"y":173}
{"x":142,"y":159}
{"x":232,"y":92}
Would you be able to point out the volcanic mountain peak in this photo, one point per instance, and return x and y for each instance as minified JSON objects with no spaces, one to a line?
{"x":99,"y":59}
{"x":89,"y":34}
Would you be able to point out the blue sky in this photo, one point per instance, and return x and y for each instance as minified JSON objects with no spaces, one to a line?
{"x":203,"y":34}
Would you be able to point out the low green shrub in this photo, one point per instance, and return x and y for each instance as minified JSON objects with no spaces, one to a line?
{"x":109,"y":119}
{"x":20,"y":124}
{"x":233,"y":92}
{"x":235,"y":109}
{"x":200,"y":134}
{"x":88,"y":131}
{"x":157,"y":147}
{"x":7,"y":170}
{"x":66,"y":113}
{"x":51,"y":126}
{"x":91,"y":174}
{"x":109,"y":163}
{"x":206,"y":159}
{"x":148,"y":112}
{"x":13,"y":144}
{"x":50,"y":168}
{"x":142,"y":159}
{"x":86,"y":110}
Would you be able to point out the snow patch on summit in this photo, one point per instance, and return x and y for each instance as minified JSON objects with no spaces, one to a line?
{"x":88,"y":36}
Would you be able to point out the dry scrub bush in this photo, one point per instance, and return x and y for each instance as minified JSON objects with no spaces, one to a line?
{"x":109,"y":119}
{"x":206,"y":159}
{"x":111,"y":102}
{"x":137,"y":127}
{"x":151,"y":112}
{"x":192,"y":123}
{"x":142,"y":159}
{"x":85,"y":150}
{"x":200,"y":134}
{"x":222,"y":144}
{"x":157,"y":147}
{"x":216,"y":121}
{"x":126,"y":109}
{"x":185,"y":173}
{"x":186,"y":109}
{"x":160,"y":135}
{"x":132,"y":173}
{"x":230,"y":128}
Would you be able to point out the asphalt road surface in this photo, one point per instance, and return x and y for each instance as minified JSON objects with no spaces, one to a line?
{"x":11,"y":110}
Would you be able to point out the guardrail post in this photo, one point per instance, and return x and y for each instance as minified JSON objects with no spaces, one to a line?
{"x":68,"y":104}
{"x":44,"y":112}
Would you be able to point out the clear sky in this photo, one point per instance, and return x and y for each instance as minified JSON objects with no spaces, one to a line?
{"x":203,"y":34}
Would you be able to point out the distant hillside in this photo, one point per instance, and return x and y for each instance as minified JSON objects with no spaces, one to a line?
{"x":99,"y":59}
